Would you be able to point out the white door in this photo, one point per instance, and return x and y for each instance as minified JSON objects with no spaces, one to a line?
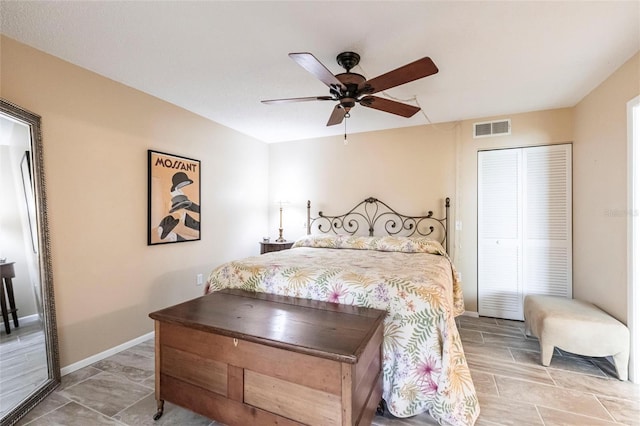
{"x":547,"y":218}
{"x":524,"y":227}
{"x":500,"y":233}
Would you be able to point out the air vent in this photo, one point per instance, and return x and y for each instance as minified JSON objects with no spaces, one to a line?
{"x":492,"y":128}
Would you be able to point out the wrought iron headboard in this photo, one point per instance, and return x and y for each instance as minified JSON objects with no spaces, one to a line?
{"x":372,"y":211}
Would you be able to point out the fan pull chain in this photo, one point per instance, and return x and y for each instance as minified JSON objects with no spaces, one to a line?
{"x":346,"y":142}
{"x":345,"y":132}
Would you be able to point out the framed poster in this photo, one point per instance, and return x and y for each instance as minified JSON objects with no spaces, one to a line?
{"x":174,"y":199}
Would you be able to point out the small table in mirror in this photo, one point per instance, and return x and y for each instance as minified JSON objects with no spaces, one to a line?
{"x":6,"y":274}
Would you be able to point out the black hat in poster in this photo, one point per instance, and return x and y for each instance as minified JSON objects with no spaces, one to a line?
{"x":167,"y":224}
{"x":180,"y":180}
{"x":179,"y":202}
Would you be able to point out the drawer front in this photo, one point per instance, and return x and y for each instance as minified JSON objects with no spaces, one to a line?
{"x":316,"y":373}
{"x":217,"y":407}
{"x":296,"y":402}
{"x":191,"y":368}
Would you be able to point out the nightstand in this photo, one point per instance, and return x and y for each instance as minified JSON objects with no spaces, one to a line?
{"x":274,"y":246}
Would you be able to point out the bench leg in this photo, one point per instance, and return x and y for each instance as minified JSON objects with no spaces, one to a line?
{"x":546,"y":353}
{"x":621,"y":362}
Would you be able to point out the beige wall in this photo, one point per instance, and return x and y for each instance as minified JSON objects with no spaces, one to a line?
{"x":96,"y":134}
{"x":410,"y":169}
{"x":600,"y":191}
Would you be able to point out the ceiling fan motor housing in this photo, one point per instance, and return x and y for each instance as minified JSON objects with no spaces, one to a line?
{"x":347,"y":103}
{"x":351,"y":81}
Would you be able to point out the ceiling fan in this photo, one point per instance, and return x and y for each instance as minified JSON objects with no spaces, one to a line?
{"x":350,"y":88}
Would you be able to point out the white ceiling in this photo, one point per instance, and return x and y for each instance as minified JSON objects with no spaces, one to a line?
{"x":219,"y":59}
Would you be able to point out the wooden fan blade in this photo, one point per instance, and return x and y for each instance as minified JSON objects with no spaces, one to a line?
{"x":315,"y":67}
{"x":387,"y":105}
{"x":310,"y":98}
{"x":336,"y":116}
{"x":415,"y":70}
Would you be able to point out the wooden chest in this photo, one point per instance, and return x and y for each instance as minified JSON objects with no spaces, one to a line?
{"x":245,"y":358}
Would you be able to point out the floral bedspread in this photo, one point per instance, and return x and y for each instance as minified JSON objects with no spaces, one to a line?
{"x":424,"y":367}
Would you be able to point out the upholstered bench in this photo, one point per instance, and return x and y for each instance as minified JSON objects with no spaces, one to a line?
{"x":577,"y":327}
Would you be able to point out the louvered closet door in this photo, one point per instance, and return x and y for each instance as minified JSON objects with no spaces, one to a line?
{"x":547,"y":219}
{"x":524,"y":227}
{"x":500,"y":233}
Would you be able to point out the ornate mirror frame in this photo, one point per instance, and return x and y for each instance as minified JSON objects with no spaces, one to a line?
{"x":44,"y":264}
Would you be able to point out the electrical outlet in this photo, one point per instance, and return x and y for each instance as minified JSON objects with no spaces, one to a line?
{"x":199,"y":279}
{"x":458,"y":225}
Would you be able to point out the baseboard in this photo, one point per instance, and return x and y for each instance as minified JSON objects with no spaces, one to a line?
{"x":29,"y":319}
{"x":102,"y":355}
{"x":470,"y":314}
{"x":22,"y":320}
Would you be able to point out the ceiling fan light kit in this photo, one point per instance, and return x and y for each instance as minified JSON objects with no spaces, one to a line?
{"x":349,"y":89}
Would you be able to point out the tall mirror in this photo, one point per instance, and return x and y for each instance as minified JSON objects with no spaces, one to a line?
{"x":29,"y":361}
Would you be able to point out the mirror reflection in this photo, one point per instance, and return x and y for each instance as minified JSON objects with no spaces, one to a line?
{"x":28,"y":355}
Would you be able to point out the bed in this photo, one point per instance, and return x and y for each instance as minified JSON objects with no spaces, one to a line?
{"x":406,"y":272}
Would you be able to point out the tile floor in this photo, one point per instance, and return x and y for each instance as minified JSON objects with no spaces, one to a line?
{"x":23,"y":363}
{"x":512,"y":387}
